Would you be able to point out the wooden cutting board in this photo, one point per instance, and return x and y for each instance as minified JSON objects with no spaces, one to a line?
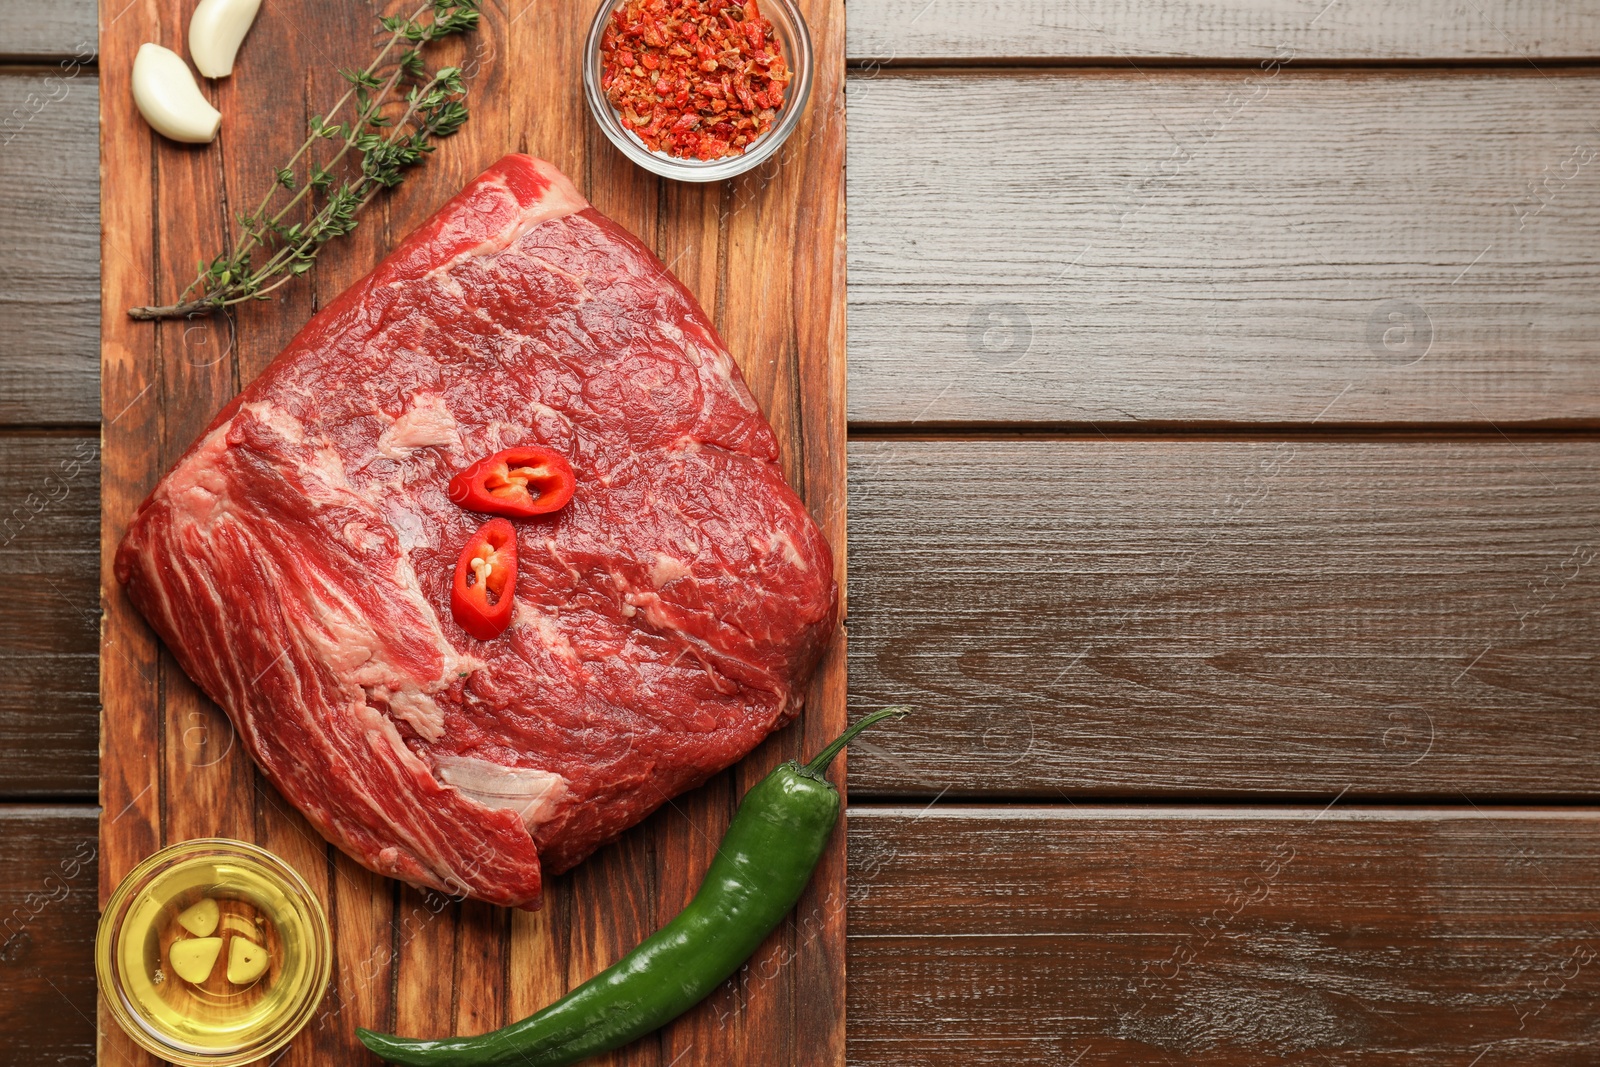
{"x":764,"y":254}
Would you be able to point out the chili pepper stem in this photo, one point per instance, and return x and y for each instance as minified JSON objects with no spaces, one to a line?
{"x":825,"y":757}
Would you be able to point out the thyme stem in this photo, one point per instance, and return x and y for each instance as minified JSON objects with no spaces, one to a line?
{"x":385,"y":146}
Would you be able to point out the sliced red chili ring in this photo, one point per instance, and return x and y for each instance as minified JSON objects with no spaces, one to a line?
{"x":518,"y":483}
{"x":482,"y":596}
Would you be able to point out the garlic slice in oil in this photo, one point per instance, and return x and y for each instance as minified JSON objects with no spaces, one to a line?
{"x":201,"y":917}
{"x":194,"y":957}
{"x":169,"y":98}
{"x":247,"y":961}
{"x":216,"y":30}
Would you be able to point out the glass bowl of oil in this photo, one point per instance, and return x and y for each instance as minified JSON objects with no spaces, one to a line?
{"x":213,"y":953}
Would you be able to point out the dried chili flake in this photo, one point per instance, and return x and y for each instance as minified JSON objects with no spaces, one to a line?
{"x":697,"y":79}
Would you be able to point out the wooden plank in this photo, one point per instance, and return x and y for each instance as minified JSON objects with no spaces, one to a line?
{"x":54,"y":30}
{"x":47,"y":922}
{"x":130,"y":767}
{"x":1291,"y":617}
{"x":766,"y":256}
{"x":918,"y":30}
{"x":1357,"y":936}
{"x":1266,"y":246}
{"x":1223,"y":937}
{"x":49,"y":615}
{"x":49,"y":227}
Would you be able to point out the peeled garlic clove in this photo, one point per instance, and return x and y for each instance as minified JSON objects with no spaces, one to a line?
{"x":247,"y":961}
{"x":200,"y":918}
{"x":169,"y":99}
{"x":216,"y":31}
{"x":194,"y":957}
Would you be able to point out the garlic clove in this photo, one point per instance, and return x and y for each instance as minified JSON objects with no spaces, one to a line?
{"x":216,"y":30}
{"x":169,"y":98}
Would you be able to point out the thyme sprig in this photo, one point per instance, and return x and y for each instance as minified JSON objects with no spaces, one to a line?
{"x":400,"y":111}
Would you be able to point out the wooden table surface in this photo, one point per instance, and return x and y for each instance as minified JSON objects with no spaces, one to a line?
{"x":1225,"y":492}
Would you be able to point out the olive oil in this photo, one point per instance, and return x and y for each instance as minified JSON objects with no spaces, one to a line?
{"x":220,"y":982}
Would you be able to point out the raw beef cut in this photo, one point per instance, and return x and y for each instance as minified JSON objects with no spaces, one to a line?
{"x":297,"y":560}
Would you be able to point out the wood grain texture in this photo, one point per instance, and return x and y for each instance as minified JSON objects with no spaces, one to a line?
{"x":1223,"y":937}
{"x":1269,"y":246}
{"x":56,"y":29}
{"x":883,"y":31}
{"x":1292,"y":617}
{"x":49,"y":617}
{"x":49,"y":229}
{"x":47,"y":921}
{"x":765,"y":255}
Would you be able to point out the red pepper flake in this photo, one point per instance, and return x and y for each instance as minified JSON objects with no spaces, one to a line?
{"x":697,"y":79}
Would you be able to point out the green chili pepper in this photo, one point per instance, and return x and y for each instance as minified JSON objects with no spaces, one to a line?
{"x":772,"y":846}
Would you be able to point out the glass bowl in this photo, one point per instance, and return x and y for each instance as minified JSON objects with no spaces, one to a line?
{"x":790,"y":30}
{"x":229,"y":1017}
